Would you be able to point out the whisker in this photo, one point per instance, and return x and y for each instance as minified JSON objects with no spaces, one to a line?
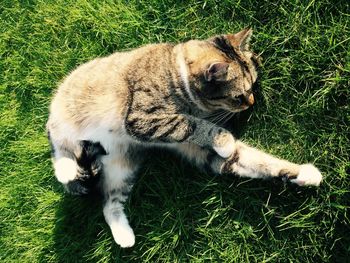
{"x":212,"y":114}
{"x":229,"y":117}
{"x":217,"y":119}
{"x":223,"y":117}
{"x":215,"y":116}
{"x":219,"y":116}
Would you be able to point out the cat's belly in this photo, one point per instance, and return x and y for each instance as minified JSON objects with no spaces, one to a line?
{"x":113,"y":140}
{"x":110,"y":133}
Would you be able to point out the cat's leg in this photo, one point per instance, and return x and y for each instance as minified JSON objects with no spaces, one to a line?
{"x":179,"y":128}
{"x":117,"y":183}
{"x":77,"y":166}
{"x":250,"y":162}
{"x":203,"y":158}
{"x":244,"y":160}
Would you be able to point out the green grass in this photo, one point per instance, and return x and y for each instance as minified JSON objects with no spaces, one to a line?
{"x":179,"y":214}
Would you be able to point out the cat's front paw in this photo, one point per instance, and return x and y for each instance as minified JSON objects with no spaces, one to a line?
{"x":123,"y":234}
{"x":308,"y":175}
{"x":224,"y":144}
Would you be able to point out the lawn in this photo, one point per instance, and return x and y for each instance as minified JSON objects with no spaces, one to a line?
{"x":178,"y":213}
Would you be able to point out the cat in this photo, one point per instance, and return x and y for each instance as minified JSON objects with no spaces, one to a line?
{"x":108,"y":110}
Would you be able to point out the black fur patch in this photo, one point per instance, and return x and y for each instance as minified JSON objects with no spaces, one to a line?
{"x":226,"y":169}
{"x":286,"y":176}
{"x":208,"y":164}
{"x":223,"y":44}
{"x":90,"y":152}
{"x":90,"y":168}
{"x":51,"y":144}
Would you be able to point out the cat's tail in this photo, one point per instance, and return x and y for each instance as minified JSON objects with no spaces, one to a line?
{"x":78,"y":169}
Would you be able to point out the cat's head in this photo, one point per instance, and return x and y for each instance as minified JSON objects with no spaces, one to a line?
{"x":222,"y":71}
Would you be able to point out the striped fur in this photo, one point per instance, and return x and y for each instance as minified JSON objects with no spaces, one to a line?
{"x":107,"y":110}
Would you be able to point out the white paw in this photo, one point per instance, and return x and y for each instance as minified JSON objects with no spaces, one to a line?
{"x":228,"y":148}
{"x":308,"y":175}
{"x":123,"y":234}
{"x":65,"y":170}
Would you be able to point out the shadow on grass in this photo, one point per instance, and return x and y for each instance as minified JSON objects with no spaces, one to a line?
{"x":78,"y":224}
{"x":169,"y":209}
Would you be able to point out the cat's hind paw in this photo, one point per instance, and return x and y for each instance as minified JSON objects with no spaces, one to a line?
{"x":123,"y":234}
{"x":308,"y":175}
{"x":65,"y":170}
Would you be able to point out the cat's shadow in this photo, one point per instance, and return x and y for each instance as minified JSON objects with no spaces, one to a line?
{"x":170,"y":199}
{"x":79,"y":221}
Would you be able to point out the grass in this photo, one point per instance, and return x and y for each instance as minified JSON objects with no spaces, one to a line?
{"x":179,"y":214}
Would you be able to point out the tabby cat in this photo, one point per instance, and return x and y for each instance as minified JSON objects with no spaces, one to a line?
{"x":108,"y":110}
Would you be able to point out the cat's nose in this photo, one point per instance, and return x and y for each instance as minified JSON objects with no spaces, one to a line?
{"x":246,"y":99}
{"x":250,"y":99}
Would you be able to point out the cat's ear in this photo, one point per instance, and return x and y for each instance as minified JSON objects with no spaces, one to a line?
{"x":216,"y":71}
{"x":241,"y":39}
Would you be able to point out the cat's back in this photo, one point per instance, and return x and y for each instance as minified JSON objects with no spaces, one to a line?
{"x":105,"y":77}
{"x":94,"y":79}
{"x":88,"y":96}
{"x":103,"y":82}
{"x":96,"y":93}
